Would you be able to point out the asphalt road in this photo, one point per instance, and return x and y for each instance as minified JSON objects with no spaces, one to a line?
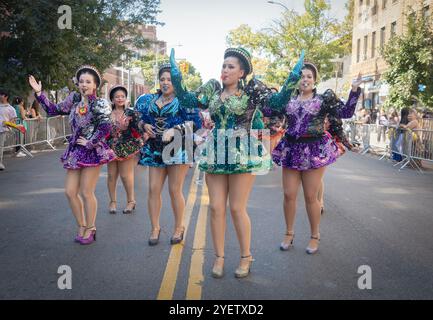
{"x":375,"y":216}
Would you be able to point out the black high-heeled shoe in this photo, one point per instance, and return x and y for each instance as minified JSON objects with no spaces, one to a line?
{"x":112,"y":210}
{"x":176,"y":240}
{"x":128,"y":211}
{"x":154,"y":241}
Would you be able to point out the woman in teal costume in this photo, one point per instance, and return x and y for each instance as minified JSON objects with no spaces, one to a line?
{"x":234,"y":106}
{"x":163,"y":116}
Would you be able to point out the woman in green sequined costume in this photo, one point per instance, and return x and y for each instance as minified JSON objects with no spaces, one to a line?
{"x":233,"y":107}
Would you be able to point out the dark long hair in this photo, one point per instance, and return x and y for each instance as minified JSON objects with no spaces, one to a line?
{"x":17,"y":100}
{"x":35,"y":105}
{"x":404,"y":113}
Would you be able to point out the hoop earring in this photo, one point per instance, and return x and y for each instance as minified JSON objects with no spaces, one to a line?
{"x":241,"y":84}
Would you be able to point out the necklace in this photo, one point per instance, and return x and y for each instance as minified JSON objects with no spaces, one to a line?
{"x":83,"y":108}
{"x":165,"y":101}
{"x":224,"y":96}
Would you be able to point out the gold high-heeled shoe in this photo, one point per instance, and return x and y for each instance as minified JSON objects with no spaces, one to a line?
{"x":242,"y":272}
{"x":217,"y":271}
{"x":310,"y":250}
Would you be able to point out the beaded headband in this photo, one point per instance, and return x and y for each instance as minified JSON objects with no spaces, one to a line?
{"x":164,"y":66}
{"x":90,"y":68}
{"x":242,"y":54}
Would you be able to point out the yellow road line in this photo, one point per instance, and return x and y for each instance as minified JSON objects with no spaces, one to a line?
{"x":168,"y":283}
{"x":196,"y":278}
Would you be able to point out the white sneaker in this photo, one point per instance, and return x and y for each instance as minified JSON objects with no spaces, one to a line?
{"x":20,"y":154}
{"x":2,"y":167}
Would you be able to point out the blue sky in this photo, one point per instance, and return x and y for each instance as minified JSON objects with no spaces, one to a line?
{"x":201,"y":27}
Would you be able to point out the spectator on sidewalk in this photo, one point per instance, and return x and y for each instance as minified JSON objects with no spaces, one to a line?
{"x":20,"y":109}
{"x":398,"y":135}
{"x":34,"y":115}
{"x":7,"y":113}
{"x":364,"y":116}
{"x":382,"y":123}
{"x":393,"y":118}
{"x":34,"y":112}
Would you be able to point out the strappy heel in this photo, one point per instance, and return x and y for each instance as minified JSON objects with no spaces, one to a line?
{"x":178,"y":239}
{"x":218,"y":272}
{"x":154,"y":241}
{"x":91,"y":238}
{"x":111,"y":210}
{"x":78,"y":238}
{"x":128,"y":211}
{"x":242,"y":272}
{"x":310,"y":250}
{"x":284,"y":246}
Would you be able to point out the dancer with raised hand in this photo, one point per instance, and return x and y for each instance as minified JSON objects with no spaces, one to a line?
{"x":89,"y":117}
{"x":163,"y":115}
{"x":233,"y":108}
{"x":126,"y":140}
{"x":305,"y":150}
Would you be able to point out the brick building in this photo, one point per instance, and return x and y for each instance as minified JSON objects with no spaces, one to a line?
{"x":132,"y":78}
{"x":374,"y":23}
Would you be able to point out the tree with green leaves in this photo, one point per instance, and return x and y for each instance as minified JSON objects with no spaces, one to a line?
{"x":410,"y":60}
{"x":322,"y":37}
{"x":192,"y":79}
{"x":31,"y":41}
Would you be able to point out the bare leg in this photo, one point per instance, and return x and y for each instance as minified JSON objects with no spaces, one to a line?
{"x":176,"y":177}
{"x":72,"y":186}
{"x":240,"y":186}
{"x":113,"y":174}
{"x":126,"y":171}
{"x":88,"y":179}
{"x":218,"y":193}
{"x":320,"y":195}
{"x":154,"y":202}
{"x":311,"y":180}
{"x":291,"y":182}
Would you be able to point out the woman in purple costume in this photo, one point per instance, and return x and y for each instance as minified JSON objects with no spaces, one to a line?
{"x":305,"y":150}
{"x":89,"y":118}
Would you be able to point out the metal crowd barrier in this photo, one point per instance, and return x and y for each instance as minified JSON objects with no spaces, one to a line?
{"x":413,"y":146}
{"x":39,"y":131}
{"x":14,"y":139}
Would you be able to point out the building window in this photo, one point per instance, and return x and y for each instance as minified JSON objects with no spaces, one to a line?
{"x":426,"y":11}
{"x":365,"y":47}
{"x":368,"y":3}
{"x":384,"y":4}
{"x":374,"y":8}
{"x":412,"y":16}
{"x":382,"y":37}
{"x":394,"y":1}
{"x":373,"y":44}
{"x":358,"y":50}
{"x":393,"y":28}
